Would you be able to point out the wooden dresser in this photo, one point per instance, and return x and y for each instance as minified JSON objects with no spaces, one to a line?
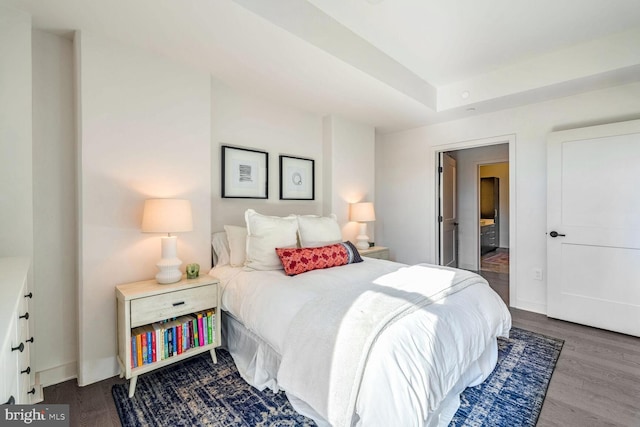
{"x":16,"y":373}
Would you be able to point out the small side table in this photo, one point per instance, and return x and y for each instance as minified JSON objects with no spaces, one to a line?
{"x":146,"y":304}
{"x":379,"y":252}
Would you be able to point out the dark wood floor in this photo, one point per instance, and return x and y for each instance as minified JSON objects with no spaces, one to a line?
{"x":596,"y":381}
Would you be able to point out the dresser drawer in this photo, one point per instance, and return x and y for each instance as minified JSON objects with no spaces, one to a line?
{"x":165,"y":306}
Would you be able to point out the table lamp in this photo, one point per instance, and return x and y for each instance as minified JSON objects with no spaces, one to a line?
{"x":362,"y":213}
{"x":167,"y":216}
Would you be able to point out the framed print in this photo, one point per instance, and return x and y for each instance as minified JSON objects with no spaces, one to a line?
{"x":297,"y":178}
{"x":245,"y":173}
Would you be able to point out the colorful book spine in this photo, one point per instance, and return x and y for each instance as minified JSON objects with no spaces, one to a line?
{"x":149,"y":347}
{"x":165,"y":343}
{"x":134,"y":352}
{"x":179,"y":338}
{"x":201,"y":331}
{"x":196,"y":341}
{"x":157,"y":344}
{"x":170,"y":341}
{"x":139,"y":348}
{"x":210,"y":328}
{"x":185,"y":334}
{"x":160,"y":340}
{"x":204,"y":328}
{"x":154,"y":352}
{"x":144,"y":348}
{"x":191,"y":334}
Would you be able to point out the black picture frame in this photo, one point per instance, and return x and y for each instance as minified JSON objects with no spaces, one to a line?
{"x":244,"y":173}
{"x":297,"y":178}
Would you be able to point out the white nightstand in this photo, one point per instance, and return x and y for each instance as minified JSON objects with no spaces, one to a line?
{"x":146,"y":304}
{"x":379,"y":252}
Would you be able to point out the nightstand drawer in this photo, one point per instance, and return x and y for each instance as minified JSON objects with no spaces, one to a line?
{"x":165,"y":306}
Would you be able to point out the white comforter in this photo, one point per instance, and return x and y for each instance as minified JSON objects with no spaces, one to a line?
{"x":417,"y":361}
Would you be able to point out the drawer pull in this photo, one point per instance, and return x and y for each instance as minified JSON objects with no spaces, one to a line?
{"x":175,"y":304}
{"x":11,"y":401}
{"x":20,"y":347}
{"x":24,"y":316}
{"x":30,"y":340}
{"x":26,"y":371}
{"x":32,"y":391}
{"x":29,"y":295}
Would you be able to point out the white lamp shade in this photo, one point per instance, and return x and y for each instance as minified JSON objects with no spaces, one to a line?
{"x":167,"y":216}
{"x":362,"y":212}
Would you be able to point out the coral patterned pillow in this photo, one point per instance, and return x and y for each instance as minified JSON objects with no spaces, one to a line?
{"x":299,"y":260}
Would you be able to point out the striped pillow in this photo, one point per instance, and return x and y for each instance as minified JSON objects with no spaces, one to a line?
{"x":299,"y":260}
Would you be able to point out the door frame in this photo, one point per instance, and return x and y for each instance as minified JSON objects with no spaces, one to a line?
{"x":483,"y":142}
{"x":439,"y":256}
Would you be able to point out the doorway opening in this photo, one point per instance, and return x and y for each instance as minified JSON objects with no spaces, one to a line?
{"x":483,"y":237}
{"x":494,"y":217}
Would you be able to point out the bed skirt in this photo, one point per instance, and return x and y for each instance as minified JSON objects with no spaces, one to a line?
{"x":258,"y":364}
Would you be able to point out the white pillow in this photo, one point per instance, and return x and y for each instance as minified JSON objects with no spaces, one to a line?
{"x":316,"y":231}
{"x":237,"y":237}
{"x":264,"y":235}
{"x":220,"y":246}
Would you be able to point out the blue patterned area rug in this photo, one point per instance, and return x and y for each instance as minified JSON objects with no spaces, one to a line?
{"x":196,"y":392}
{"x":514,"y":392}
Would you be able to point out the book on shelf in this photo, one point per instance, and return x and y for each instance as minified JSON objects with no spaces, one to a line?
{"x":139,"y":347}
{"x":194,"y":321}
{"x":147,"y":331}
{"x":134,"y":352}
{"x":200,"y":330}
{"x":166,"y":343}
{"x":159,"y":340}
{"x":210,"y":327}
{"x":191,"y":333}
{"x":154,"y":344}
{"x":179,"y":338}
{"x":185,"y":334}
{"x":162,"y":340}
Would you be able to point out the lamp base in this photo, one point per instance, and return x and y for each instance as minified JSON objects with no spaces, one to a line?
{"x":362,"y":240}
{"x":169,"y":265}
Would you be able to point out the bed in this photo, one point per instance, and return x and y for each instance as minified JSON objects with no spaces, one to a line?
{"x":363,"y":343}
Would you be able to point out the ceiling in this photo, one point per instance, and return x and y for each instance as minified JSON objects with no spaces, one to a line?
{"x":392,"y":64}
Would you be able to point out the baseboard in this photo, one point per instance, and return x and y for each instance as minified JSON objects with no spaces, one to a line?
{"x":57,"y":375}
{"x":533,"y":306}
{"x":470,"y":267}
{"x":95,"y":370}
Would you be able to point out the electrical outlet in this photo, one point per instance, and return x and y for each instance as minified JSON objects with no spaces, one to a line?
{"x":537,"y":273}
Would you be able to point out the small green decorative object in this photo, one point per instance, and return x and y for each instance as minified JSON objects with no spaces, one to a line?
{"x":193,"y":270}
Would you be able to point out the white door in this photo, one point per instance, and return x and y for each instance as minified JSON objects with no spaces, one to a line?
{"x":448,"y":214}
{"x":593,"y":210}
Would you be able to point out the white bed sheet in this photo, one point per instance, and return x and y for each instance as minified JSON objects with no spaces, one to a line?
{"x":406,"y":382}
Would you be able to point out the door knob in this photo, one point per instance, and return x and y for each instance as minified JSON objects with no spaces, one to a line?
{"x":556,"y":234}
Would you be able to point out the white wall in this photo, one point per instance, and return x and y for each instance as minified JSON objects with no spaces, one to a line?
{"x":16,"y":206}
{"x":243,"y":120}
{"x":468,"y":161}
{"x":144,"y":131}
{"x":54,"y":206}
{"x":343,"y":152}
{"x":405,"y":180}
{"x":350,"y":149}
